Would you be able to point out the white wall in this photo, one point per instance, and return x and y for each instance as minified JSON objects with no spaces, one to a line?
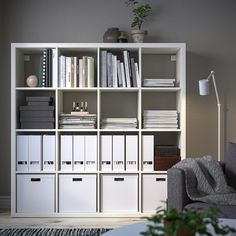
{"x":207,"y":26}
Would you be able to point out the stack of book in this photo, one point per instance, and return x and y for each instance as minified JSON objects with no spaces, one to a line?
{"x":157,"y":119}
{"x":119,"y":123}
{"x":75,"y":72}
{"x":118,"y":73}
{"x":159,"y":82}
{"x":38,"y":113}
{"x":77,"y":120}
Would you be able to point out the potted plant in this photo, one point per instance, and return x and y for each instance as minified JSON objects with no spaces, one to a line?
{"x":186,"y":223}
{"x":140,"y":13}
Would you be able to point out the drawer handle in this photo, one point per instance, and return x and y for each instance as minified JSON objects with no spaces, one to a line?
{"x":119,"y":179}
{"x":77,"y":179}
{"x":160,"y":179}
{"x":35,"y":179}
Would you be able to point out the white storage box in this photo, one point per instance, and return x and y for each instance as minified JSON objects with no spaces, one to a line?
{"x":119,"y":193}
{"x":77,"y":193}
{"x":35,"y":194}
{"x":154,"y":192}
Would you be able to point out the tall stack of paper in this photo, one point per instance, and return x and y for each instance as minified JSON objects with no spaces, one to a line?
{"x":82,"y":121}
{"x":160,"y":119}
{"x":159,"y":82}
{"x":119,"y":123}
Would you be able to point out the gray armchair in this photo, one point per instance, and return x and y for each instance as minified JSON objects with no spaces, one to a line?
{"x":178,"y":198}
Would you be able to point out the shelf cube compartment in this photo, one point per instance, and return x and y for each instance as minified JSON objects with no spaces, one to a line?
{"x":77,"y":193}
{"x":154,"y":192}
{"x":36,"y":194}
{"x":119,"y":193}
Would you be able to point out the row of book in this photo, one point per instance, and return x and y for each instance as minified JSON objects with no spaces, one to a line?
{"x":80,"y":120}
{"x":38,"y":113}
{"x":159,"y":83}
{"x":76,"y":72}
{"x":116,"y":73}
{"x":166,"y":119}
{"x":119,"y":123}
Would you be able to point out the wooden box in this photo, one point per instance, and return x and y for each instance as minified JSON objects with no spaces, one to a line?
{"x":164,"y":163}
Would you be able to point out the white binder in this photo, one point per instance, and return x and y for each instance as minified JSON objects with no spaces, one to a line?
{"x":90,"y":152}
{"x":66,"y":152}
{"x":35,"y":152}
{"x":49,"y":152}
{"x":118,"y":152}
{"x":106,"y":152}
{"x":78,"y":152}
{"x":131,"y":144}
{"x":22,"y":152}
{"x":148,"y":151}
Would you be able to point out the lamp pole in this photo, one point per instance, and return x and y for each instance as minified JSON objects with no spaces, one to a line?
{"x":212,"y":75}
{"x":218,"y":106}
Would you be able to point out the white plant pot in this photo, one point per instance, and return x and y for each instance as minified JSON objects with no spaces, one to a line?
{"x":138,"y":36}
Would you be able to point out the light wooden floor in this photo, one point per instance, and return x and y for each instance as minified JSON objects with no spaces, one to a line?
{"x":6,"y":221}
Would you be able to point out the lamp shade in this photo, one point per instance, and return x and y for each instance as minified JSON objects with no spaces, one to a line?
{"x":204,"y":87}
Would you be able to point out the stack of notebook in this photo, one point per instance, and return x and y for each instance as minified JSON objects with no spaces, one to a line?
{"x":159,"y":82}
{"x":157,"y":119}
{"x":38,"y":113}
{"x":119,"y":123}
{"x":81,"y":120}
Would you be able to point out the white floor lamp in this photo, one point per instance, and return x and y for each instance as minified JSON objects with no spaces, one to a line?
{"x":203,"y":91}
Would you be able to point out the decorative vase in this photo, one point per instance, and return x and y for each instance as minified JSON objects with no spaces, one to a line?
{"x":32,"y":81}
{"x":111,"y":35}
{"x":138,"y":36}
{"x":122,"y":38}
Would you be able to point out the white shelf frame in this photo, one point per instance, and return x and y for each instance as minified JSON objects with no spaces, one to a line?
{"x":179,"y":49}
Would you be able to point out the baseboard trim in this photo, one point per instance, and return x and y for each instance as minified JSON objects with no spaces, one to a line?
{"x":5,"y":202}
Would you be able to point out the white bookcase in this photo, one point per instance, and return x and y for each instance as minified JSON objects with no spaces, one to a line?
{"x":131,"y":192}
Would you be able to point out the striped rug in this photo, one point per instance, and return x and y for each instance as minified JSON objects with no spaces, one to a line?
{"x":52,"y":232}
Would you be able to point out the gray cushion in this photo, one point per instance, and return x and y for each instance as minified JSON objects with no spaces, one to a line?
{"x":226,"y":211}
{"x":230,"y":165}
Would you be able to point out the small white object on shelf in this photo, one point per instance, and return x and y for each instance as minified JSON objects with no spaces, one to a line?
{"x":32,"y":81}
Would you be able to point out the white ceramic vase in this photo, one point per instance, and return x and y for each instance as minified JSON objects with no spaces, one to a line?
{"x":138,"y":36}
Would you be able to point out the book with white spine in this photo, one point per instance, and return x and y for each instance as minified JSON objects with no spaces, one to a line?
{"x":90,"y":72}
{"x":104,"y":69}
{"x":127,"y":70}
{"x":114,"y":71}
{"x":68,"y":72}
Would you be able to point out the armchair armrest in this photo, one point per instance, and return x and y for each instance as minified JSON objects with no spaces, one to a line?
{"x":176,"y":189}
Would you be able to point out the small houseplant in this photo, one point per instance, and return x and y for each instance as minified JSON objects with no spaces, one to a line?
{"x":186,"y":223}
{"x":140,"y":13}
